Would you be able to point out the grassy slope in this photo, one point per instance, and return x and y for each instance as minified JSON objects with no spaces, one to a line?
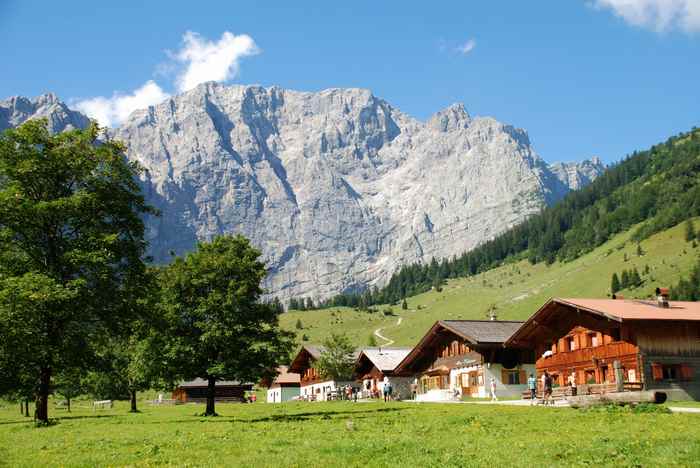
{"x":517,"y":290}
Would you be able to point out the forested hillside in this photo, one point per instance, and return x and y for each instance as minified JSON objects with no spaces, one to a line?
{"x":655,"y":189}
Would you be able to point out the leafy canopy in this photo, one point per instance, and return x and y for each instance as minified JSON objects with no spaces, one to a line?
{"x":337,"y":359}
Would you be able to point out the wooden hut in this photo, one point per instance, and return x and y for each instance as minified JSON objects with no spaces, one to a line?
{"x":460,"y":357}
{"x":375,"y":367}
{"x":195,"y":391}
{"x":614,"y":344}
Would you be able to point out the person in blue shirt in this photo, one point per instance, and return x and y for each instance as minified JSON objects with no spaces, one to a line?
{"x":532,"y":386}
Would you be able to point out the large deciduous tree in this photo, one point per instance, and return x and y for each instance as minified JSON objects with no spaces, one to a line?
{"x":71,"y":247}
{"x":218,"y":329}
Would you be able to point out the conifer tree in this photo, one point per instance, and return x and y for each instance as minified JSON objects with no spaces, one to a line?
{"x":690,"y":230}
{"x":615,"y":283}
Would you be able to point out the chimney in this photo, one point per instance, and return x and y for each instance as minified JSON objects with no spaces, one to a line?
{"x":662,"y":297}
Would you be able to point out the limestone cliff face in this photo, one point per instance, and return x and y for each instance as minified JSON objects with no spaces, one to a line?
{"x":337,"y":188}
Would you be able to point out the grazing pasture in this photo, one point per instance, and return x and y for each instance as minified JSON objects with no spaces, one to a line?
{"x":352,"y":434}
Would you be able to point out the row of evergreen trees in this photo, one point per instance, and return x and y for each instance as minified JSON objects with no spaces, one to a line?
{"x":628,"y":279}
{"x":658,"y":188}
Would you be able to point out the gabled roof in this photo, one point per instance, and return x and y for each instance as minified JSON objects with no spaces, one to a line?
{"x":286,"y":377}
{"x":478,"y":333}
{"x":637,"y":310}
{"x":549,"y":317}
{"x":482,"y":331}
{"x":306,"y":354}
{"x":384,"y":359}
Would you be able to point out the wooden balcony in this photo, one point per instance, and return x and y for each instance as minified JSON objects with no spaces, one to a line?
{"x":587,"y":355}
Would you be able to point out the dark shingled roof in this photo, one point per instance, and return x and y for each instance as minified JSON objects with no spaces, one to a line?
{"x":482,"y":331}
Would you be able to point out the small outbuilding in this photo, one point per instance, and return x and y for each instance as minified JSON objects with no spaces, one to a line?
{"x":227,"y":391}
{"x":286,"y":386}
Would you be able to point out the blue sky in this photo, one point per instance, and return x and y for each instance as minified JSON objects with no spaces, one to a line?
{"x":596,"y":77}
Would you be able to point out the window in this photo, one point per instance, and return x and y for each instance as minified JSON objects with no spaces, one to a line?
{"x":572,"y":343}
{"x":510,"y":377}
{"x":671,"y":371}
{"x":594,"y":339}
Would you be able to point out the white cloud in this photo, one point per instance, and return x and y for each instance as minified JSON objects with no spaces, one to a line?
{"x":211,"y":61}
{"x":113,"y":111}
{"x":658,"y":15}
{"x":199,"y":60}
{"x":466,"y":47}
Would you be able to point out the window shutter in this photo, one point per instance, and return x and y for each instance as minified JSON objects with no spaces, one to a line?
{"x":657,"y":371}
{"x":504,"y":376}
{"x":686,"y":372}
{"x":523,"y":376}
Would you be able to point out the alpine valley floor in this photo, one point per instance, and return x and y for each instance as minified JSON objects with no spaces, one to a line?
{"x":352,"y":434}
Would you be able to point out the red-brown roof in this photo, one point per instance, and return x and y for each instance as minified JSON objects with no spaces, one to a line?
{"x":285,"y":377}
{"x":551,"y":314}
{"x":637,"y":310}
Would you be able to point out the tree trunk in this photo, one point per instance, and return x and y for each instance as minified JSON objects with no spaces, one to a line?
{"x":68,"y":403}
{"x":211,"y":393}
{"x":42,"y":407}
{"x":133,"y":401}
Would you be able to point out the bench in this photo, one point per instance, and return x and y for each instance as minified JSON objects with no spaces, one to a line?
{"x":102,"y":404}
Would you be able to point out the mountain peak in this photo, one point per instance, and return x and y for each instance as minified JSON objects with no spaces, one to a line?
{"x":451,"y":118}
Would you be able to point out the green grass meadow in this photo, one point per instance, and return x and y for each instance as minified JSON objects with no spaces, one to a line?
{"x":351,"y":434}
{"x":517,"y":289}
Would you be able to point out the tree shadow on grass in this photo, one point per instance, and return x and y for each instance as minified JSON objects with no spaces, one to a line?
{"x":293,"y":417}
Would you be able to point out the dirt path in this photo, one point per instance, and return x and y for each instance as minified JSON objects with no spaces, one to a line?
{"x":378,"y":333}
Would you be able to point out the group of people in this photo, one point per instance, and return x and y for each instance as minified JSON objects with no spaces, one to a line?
{"x":547,"y":382}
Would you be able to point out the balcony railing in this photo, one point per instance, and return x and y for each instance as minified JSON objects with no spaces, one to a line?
{"x":583,"y":355}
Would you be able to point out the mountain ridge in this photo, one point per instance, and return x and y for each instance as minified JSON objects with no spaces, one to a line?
{"x":338,"y":188}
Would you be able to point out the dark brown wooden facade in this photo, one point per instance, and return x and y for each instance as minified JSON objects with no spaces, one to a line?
{"x":196,"y":392}
{"x":654,"y":346}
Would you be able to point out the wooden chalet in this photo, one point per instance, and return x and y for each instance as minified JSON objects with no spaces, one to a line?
{"x":375,"y":367}
{"x":285,"y":387}
{"x":195,"y":391}
{"x":312,"y":386}
{"x":630,"y":343}
{"x":460,"y":357}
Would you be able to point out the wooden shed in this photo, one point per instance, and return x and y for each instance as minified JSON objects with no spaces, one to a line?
{"x":653,"y":344}
{"x":195,"y":391}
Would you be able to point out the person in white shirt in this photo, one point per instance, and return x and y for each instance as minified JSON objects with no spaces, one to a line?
{"x":493,"y":390}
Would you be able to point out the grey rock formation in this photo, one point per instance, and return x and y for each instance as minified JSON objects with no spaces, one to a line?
{"x":337,"y":188}
{"x":17,"y":109}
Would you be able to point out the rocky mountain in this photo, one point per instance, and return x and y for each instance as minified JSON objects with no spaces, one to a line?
{"x":16,"y":110}
{"x":337,"y":188}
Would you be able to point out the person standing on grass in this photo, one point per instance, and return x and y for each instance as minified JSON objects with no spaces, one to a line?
{"x":532,"y":386}
{"x":493,"y":389}
{"x":572,"y":383}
